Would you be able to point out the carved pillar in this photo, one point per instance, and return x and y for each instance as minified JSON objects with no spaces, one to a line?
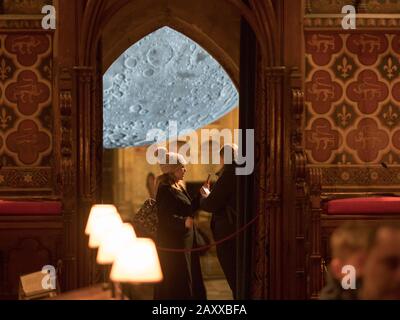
{"x":278,"y":240}
{"x":85,"y":114}
{"x":245,"y":183}
{"x":299,"y":160}
{"x":65,"y":52}
{"x":259,"y":288}
{"x":315,"y":236}
{"x":281,"y":185}
{"x":67,"y":176}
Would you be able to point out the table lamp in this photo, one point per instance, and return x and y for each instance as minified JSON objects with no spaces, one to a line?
{"x":99,"y":210}
{"x":102,"y":220}
{"x":113,"y":241}
{"x":137,"y":263}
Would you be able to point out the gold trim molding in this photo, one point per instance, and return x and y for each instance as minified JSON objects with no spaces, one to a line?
{"x":364,"y":21}
{"x":21,"y":22}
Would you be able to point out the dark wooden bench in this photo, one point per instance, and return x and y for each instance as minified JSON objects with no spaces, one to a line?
{"x":31,"y":236}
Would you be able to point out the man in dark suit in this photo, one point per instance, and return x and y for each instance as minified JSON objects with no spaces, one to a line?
{"x":222,"y":203}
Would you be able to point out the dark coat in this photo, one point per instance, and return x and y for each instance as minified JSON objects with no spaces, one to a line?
{"x":181,"y":271}
{"x":221,"y":202}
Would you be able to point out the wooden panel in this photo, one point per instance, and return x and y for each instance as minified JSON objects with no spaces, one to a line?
{"x":26,"y":245}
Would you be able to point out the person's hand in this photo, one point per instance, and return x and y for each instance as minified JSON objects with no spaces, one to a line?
{"x":204,"y":191}
{"x":206,"y":183}
{"x":189,"y":222}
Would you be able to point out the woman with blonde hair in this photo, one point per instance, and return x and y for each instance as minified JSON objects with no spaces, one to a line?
{"x":176,"y":230}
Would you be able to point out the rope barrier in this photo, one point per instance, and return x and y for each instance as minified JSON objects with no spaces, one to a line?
{"x":202,"y":248}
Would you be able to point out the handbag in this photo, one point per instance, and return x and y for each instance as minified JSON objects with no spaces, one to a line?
{"x":145,"y":221}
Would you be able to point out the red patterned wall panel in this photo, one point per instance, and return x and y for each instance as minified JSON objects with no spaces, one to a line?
{"x":353,"y":107}
{"x":26,"y":115}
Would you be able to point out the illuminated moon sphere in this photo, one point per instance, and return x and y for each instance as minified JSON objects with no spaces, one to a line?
{"x":162,"y":79}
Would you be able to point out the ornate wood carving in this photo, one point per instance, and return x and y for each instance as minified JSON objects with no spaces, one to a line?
{"x":314,"y":178}
{"x":84,"y":82}
{"x":86,"y":111}
{"x":364,"y":21}
{"x":276,"y":84}
{"x":67,"y":173}
{"x":67,"y":178}
{"x":299,"y":161}
{"x":21,"y":24}
{"x":259,"y":255}
{"x":23,"y":7}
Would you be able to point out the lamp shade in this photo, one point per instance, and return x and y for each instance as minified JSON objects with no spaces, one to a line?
{"x":114,"y":241}
{"x":137,"y":263}
{"x":101,"y":225}
{"x":97,"y":211}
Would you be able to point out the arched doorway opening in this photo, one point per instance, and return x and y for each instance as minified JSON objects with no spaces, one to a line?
{"x":166,"y":79}
{"x":264,"y":92}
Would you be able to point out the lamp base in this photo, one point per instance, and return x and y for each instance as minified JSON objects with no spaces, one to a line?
{"x":138,"y":291}
{"x":105,"y":286}
{"x":109,"y":286}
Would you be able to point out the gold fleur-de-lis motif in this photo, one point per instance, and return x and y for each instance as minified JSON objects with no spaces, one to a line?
{"x":344,"y":116}
{"x":345,"y":68}
{"x":390,"y":68}
{"x":4,"y":118}
{"x":391,"y":159}
{"x":4,"y":69}
{"x":343,"y":159}
{"x":390,"y":116}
